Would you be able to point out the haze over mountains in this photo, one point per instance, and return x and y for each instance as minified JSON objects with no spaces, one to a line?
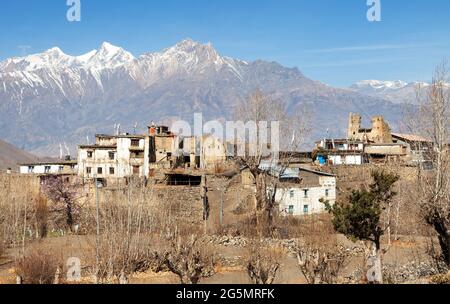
{"x":51,"y":98}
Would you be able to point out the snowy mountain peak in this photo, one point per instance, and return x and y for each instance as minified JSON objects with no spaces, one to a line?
{"x":55,"y":51}
{"x":380,"y":85}
{"x":107,"y":49}
{"x":186,"y":45}
{"x":107,"y":56}
{"x":189,"y":47}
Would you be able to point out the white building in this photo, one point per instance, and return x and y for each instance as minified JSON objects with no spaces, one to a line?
{"x":57,"y":167}
{"x":346,"y":159}
{"x":340,"y":152}
{"x":307,"y":196}
{"x":113,"y":157}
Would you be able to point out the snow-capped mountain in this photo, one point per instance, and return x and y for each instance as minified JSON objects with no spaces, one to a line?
{"x":51,"y":97}
{"x":395,"y":91}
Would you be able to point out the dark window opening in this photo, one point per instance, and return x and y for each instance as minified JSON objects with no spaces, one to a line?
{"x":99,"y":170}
{"x":305,"y":192}
{"x":183,"y":180}
{"x":136,"y":170}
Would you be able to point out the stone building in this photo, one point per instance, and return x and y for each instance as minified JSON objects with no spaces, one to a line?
{"x":213,"y":152}
{"x":113,"y":157}
{"x":379,"y":133}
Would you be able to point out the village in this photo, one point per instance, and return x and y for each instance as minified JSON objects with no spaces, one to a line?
{"x":172,"y":160}
{"x":137,"y":193}
{"x":152,"y":208}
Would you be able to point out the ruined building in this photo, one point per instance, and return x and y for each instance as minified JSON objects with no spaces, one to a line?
{"x":380,"y":132}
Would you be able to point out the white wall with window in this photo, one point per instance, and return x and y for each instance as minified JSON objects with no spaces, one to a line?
{"x":50,"y":168}
{"x":297,"y":200}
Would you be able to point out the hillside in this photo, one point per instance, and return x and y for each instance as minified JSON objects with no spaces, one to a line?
{"x":11,"y":156}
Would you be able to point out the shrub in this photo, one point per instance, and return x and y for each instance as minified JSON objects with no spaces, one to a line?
{"x":38,"y":266}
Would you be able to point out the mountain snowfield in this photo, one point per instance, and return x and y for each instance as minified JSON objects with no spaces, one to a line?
{"x":52,"y":98}
{"x":395,"y":91}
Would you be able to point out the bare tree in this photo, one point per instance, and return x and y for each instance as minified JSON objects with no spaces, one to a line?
{"x":65,"y":196}
{"x":41,"y":215}
{"x":320,"y":265}
{"x":261,"y":110}
{"x":262,"y":263}
{"x":186,"y":257}
{"x":124,"y":247}
{"x":2,"y":245}
{"x":435,"y":187}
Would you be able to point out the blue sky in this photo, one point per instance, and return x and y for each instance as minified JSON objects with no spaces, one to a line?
{"x":328,"y":40}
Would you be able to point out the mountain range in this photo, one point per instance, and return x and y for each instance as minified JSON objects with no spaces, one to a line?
{"x":395,"y":91}
{"x":52,"y":98}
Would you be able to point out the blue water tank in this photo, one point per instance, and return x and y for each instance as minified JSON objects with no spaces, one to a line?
{"x":322,"y":159}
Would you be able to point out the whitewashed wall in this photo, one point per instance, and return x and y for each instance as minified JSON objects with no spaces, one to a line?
{"x":295,"y":196}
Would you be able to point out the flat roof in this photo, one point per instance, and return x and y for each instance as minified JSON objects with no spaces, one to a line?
{"x":67,"y":162}
{"x":350,"y":141}
{"x":137,"y":136}
{"x":109,"y":147}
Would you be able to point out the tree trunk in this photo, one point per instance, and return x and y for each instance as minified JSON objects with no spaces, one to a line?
{"x":446,"y":248}
{"x":69,"y":216}
{"x":374,"y":272}
{"x":260,"y":192}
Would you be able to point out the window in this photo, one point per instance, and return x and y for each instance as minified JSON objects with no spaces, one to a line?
{"x":47,"y":169}
{"x":90,"y":154}
{"x":61,"y":168}
{"x":292,"y":193}
{"x":291,"y":210}
{"x":137,"y":154}
{"x":112,"y":155}
{"x":135,"y":142}
{"x":305,"y":209}
{"x":111,"y":171}
{"x":327,"y":192}
{"x":305,"y":193}
{"x":99,"y":170}
{"x":136,"y":170}
{"x":88,"y":170}
{"x":30,"y":169}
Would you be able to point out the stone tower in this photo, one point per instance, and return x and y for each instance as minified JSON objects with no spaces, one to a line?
{"x":381,"y":132}
{"x":354,"y":125}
